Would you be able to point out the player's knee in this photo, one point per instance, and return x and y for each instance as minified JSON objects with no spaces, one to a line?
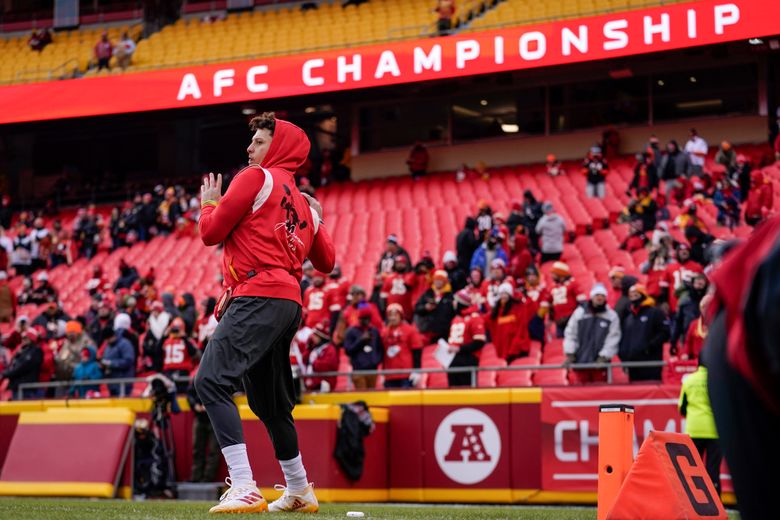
{"x":204,"y":385}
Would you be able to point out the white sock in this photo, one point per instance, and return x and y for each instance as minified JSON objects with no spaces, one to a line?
{"x":294,"y":474}
{"x":238,"y":464}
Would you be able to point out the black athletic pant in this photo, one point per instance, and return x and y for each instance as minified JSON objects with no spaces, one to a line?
{"x":709,"y":451}
{"x":250,"y":350}
{"x":748,"y":430}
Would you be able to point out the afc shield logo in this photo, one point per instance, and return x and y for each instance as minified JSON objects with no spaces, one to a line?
{"x":467,"y":446}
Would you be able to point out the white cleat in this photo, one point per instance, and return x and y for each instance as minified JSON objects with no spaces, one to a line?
{"x":244,"y":498}
{"x":299,"y":502}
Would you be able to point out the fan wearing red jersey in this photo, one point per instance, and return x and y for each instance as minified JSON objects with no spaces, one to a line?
{"x":565,"y":296}
{"x":399,"y":339}
{"x":336,"y":293}
{"x":467,"y":337}
{"x":267,"y":229}
{"x":397,"y":287}
{"x":320,"y":356}
{"x":498,"y":276}
{"x":538,"y":297}
{"x":509,"y":324}
{"x":179,"y":355}
{"x":314,"y":301}
{"x":678,"y":274}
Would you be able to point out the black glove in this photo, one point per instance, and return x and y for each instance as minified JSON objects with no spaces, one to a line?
{"x":570,"y":358}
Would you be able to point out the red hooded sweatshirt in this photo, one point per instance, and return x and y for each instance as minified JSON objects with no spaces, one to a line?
{"x":266,"y":225}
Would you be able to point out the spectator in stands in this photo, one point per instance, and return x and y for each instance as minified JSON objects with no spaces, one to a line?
{"x":87,"y":233}
{"x":363,"y":345}
{"x":489,"y":288}
{"x":695,"y":406}
{"x":70,"y":354}
{"x":39,"y":39}
{"x":644,"y":332}
{"x":645,"y":174}
{"x":118,"y":360}
{"x":456,"y":275}
{"x":653,"y":148}
{"x":44,"y":292}
{"x":168,"y":301}
{"x":14,"y":338}
{"x":466,"y":339}
{"x":592,"y":336}
{"x":21,"y":258}
{"x":401,"y":341}
{"x":87,"y":369}
{"x":490,"y":250}
{"x":315,"y":307}
{"x":147,"y":218}
{"x":643,"y":209}
{"x":484,"y":219}
{"x":688,"y":310}
{"x":118,"y":229}
{"x":467,"y":243}
{"x":516,"y":218}
{"x":636,"y":239}
{"x":336,"y":294}
{"x":128,"y":275}
{"x":188,"y":312}
{"x":124,"y":51}
{"x":26,"y":294}
{"x":60,"y":246}
{"x":320,"y":356}
{"x":445,"y":9}
{"x":521,"y":258}
{"x":726,"y":199}
{"x":508,"y":324}
{"x":689,"y":217}
{"x":741,"y":176}
{"x":759,"y":200}
{"x":696,"y":148}
{"x":306,"y":279}
{"x":565,"y":296}
{"x":26,"y":364}
{"x":674,"y":165}
{"x":533,"y":213}
{"x":726,"y":156}
{"x":418,"y":161}
{"x":552,"y":230}
{"x":41,"y":246}
{"x":7,"y":300}
{"x":157,"y":326}
{"x":696,"y":334}
{"x":388,"y":258}
{"x":205,"y":448}
{"x":553,"y":165}
{"x":349,"y":318}
{"x":103,"y":52}
{"x":49,"y":320}
{"x":595,"y":169}
{"x":397,"y":287}
{"x":104,"y":319}
{"x":434,"y":312}
{"x":180,"y":355}
{"x":615,"y":276}
{"x":538,"y":300}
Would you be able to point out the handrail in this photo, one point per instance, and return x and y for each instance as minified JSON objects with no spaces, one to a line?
{"x":47,"y":74}
{"x":123,"y":382}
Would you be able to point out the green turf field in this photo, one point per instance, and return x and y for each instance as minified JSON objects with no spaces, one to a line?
{"x":62,"y":509}
{"x":76,"y":509}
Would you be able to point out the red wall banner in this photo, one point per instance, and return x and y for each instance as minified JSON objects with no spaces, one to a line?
{"x":570,"y":429}
{"x":600,"y":37}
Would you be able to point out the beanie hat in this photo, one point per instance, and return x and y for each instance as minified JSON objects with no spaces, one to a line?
{"x":441,"y":275}
{"x":561,"y":269}
{"x":395,"y":307}
{"x":122,"y":321}
{"x":73,"y":327}
{"x":463,"y":297}
{"x":449,"y":256}
{"x":598,"y":289}
{"x":617,"y":272}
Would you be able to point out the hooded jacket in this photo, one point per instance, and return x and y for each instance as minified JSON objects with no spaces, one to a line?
{"x":25,"y":366}
{"x":466,"y":243}
{"x":552,"y":229}
{"x":87,"y":371}
{"x":590,"y":334}
{"x":644,"y":333}
{"x":266,"y":225}
{"x":188,"y":312}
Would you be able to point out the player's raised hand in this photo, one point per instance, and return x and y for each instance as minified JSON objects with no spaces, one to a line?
{"x":211,"y":190}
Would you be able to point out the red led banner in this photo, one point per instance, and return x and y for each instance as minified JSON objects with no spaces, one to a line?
{"x":608,"y":36}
